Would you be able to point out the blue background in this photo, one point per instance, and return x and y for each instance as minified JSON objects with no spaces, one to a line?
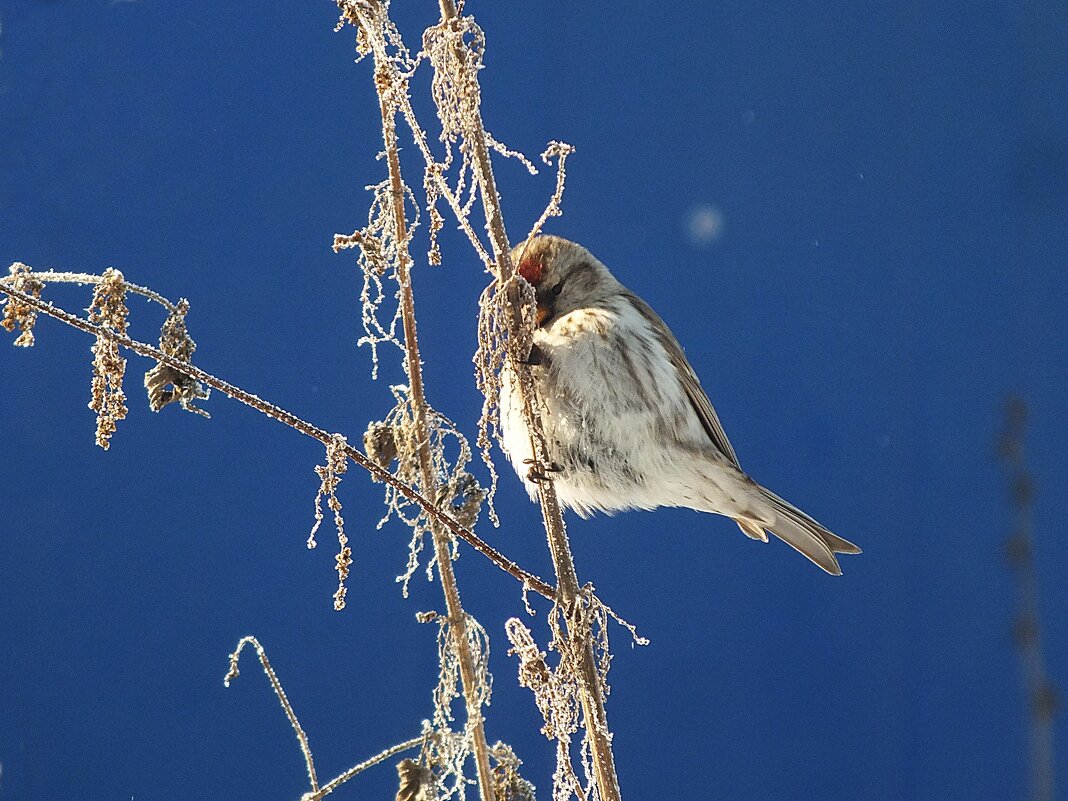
{"x":893,"y":186}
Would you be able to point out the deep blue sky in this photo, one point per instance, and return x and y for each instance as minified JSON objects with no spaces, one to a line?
{"x":893,"y":186}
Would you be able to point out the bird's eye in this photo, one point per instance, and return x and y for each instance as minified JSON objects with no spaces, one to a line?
{"x":556,"y":290}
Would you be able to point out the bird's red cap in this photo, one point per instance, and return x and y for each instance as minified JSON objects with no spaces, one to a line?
{"x":532,"y":269}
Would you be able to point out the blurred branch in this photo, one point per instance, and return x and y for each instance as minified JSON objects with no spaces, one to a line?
{"x":1041,"y":693}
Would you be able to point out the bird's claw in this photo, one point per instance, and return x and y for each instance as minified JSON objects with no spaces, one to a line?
{"x":536,"y":476}
{"x":536,"y":357}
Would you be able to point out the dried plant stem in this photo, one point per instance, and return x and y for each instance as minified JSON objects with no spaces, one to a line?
{"x":53,"y":277}
{"x":591,"y":691}
{"x":333,"y":784}
{"x":317,"y":792}
{"x":283,"y":700}
{"x":429,"y":484}
{"x":435,"y":512}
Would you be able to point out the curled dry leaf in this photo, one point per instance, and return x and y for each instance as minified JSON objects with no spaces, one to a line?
{"x":380,"y":443}
{"x":416,"y":782}
{"x":163,"y":383}
{"x":465,"y":497}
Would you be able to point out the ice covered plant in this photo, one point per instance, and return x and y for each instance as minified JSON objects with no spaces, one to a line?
{"x":454,"y":48}
{"x":415,"y":451}
{"x":337,"y":464}
{"x":163,"y":383}
{"x":108,"y":310}
{"x":18,"y":314}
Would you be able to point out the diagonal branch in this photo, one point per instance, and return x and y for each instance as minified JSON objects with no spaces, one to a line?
{"x":529,"y":580}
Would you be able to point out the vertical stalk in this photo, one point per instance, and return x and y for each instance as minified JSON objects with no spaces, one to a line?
{"x":429,"y":480}
{"x":568,"y":587}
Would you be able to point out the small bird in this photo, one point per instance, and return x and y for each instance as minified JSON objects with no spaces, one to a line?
{"x":626,"y":421}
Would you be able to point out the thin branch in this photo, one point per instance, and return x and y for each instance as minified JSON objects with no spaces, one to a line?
{"x":53,"y":277}
{"x":388,"y":90}
{"x":317,"y":792}
{"x":276,"y":685}
{"x":591,"y":691}
{"x":333,"y":784}
{"x":561,"y":151}
{"x":529,"y":580}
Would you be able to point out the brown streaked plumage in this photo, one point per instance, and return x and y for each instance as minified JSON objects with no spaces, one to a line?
{"x":627,"y":422}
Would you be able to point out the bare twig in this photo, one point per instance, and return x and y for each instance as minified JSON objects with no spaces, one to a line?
{"x":591,"y":691}
{"x":54,"y":277}
{"x":435,"y":512}
{"x":276,"y":685}
{"x":392,"y":751}
{"x":561,"y":151}
{"x":388,"y":90}
{"x":317,"y":792}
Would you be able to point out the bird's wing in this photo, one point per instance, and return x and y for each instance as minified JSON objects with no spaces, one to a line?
{"x":688,"y":378}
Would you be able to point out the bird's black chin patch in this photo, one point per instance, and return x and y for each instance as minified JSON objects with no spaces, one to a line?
{"x":546,"y":314}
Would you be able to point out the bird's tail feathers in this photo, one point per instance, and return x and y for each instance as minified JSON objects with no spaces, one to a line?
{"x":752,"y":530}
{"x":799,"y":531}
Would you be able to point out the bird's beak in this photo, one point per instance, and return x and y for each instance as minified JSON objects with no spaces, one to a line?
{"x":544,"y":312}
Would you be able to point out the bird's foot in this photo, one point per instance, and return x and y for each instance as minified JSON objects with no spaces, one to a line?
{"x":537,"y":476}
{"x":537,"y":357}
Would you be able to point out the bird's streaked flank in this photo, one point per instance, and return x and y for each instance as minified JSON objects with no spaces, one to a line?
{"x":627,"y":423}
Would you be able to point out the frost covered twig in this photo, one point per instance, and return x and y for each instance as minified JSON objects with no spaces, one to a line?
{"x":285,"y":417}
{"x":459,"y":71}
{"x":355,"y":770}
{"x":283,"y":700}
{"x":474,"y":683}
{"x":317,"y":792}
{"x":559,"y":150}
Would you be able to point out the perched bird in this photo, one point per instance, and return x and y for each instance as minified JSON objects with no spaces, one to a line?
{"x":627,"y":423}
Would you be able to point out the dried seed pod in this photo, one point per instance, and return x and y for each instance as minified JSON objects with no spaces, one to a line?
{"x":337,"y":463}
{"x":108,"y":309}
{"x":16,"y":313}
{"x":380,"y":443}
{"x":508,"y":785}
